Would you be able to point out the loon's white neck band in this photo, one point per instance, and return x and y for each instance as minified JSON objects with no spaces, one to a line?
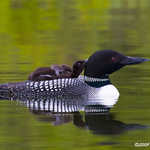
{"x":90,"y":79}
{"x":97,"y":82}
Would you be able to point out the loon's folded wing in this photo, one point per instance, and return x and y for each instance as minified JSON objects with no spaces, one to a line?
{"x":58,"y":87}
{"x":52,"y":88}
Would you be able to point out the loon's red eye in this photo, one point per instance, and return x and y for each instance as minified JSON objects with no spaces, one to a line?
{"x":113,"y":59}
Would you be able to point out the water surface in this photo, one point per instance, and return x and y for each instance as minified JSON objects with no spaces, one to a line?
{"x":39,"y":33}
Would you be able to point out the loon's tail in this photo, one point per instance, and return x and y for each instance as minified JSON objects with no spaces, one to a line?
{"x":5,"y":92}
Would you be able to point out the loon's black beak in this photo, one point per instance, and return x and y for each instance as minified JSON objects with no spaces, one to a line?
{"x":133,"y":60}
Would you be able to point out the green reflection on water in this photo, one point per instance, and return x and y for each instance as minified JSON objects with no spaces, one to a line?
{"x":39,"y":33}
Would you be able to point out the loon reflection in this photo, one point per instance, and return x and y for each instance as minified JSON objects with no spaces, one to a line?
{"x":99,"y":123}
{"x":105,"y":123}
{"x":95,"y":118}
{"x":61,"y":105}
{"x":54,"y":105}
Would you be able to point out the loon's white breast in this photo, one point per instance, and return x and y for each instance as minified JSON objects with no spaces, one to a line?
{"x":106,"y":95}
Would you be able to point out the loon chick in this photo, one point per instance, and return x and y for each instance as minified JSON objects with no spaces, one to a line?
{"x":95,"y":86}
{"x":57,"y":72}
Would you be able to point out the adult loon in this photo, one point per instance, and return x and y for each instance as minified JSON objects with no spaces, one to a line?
{"x":95,"y":85}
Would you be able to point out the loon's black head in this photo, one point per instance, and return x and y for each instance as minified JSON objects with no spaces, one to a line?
{"x":102,"y":63}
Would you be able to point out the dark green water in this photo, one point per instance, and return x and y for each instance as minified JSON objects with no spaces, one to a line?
{"x":42,"y":32}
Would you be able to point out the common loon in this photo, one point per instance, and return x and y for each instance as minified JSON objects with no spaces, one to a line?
{"x":94,"y":85}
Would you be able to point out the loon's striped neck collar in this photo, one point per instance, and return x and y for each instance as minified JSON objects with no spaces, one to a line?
{"x":97,"y":82}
